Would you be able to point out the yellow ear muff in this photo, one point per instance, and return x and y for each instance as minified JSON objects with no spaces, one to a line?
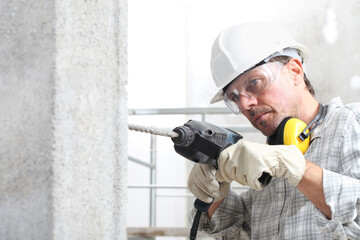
{"x":292,"y":129}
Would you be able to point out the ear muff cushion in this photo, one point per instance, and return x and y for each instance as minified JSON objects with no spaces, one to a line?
{"x":278,"y":137}
{"x":292,"y":129}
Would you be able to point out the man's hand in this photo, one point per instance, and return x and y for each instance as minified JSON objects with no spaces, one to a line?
{"x":246,"y":161}
{"x":204,"y":186}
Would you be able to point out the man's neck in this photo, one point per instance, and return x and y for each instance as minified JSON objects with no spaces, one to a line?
{"x":309,"y":109}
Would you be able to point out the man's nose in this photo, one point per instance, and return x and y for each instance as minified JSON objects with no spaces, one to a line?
{"x":246,"y":102}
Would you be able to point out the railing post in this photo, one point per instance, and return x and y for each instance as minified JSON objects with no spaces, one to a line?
{"x":153,"y":181}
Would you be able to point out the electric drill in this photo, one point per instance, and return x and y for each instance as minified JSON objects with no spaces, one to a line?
{"x":203,"y":142}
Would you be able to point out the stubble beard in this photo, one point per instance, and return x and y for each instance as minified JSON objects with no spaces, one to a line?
{"x":268,"y":126}
{"x":267,"y":130}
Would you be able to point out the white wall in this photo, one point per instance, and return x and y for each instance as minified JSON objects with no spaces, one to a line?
{"x":157,"y":67}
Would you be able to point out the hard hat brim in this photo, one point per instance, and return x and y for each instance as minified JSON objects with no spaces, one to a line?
{"x":218,"y":97}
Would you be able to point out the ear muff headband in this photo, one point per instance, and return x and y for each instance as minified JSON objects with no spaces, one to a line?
{"x":316,"y":122}
{"x":293,"y":131}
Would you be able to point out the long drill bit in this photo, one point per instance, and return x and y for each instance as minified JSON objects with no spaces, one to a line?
{"x":153,"y":130}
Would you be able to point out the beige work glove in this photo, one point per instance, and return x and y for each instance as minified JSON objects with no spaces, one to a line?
{"x":204,"y":186}
{"x":245,"y":162}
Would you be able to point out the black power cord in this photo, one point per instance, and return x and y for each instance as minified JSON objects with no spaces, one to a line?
{"x":195,"y":225}
{"x":200,"y":207}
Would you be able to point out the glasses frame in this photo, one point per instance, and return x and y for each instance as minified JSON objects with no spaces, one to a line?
{"x":233,"y":106}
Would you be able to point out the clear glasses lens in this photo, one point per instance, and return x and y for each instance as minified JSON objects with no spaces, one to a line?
{"x":251,"y":84}
{"x":232,"y":105}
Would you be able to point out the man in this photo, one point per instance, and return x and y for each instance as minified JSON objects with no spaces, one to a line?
{"x":259,"y":70}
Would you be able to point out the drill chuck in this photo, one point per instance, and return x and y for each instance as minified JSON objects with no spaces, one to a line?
{"x":185,"y":136}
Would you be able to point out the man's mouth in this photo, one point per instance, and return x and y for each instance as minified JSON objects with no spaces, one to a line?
{"x":260,"y":117}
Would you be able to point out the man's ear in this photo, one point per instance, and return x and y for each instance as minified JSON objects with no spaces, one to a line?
{"x":296,"y":71}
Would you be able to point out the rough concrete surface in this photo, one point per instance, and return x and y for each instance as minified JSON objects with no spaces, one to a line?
{"x":63,"y":119}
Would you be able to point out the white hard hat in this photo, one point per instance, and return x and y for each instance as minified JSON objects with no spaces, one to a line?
{"x":241,"y":47}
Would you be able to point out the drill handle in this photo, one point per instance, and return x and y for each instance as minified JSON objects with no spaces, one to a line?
{"x":201,"y":206}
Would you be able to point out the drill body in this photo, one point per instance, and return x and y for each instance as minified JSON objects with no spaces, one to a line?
{"x":202,"y":142}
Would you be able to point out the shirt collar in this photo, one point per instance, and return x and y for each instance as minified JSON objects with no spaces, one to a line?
{"x":331,"y":106}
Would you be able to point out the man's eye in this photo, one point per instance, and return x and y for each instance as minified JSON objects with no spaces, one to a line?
{"x":234,"y":97}
{"x":253,"y":82}
{"x":253,"y":85}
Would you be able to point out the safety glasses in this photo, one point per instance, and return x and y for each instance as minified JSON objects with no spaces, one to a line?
{"x":250,"y":84}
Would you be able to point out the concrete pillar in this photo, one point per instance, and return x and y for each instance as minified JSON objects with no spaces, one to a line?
{"x":63,"y":119}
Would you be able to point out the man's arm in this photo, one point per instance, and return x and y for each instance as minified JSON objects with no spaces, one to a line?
{"x":311,"y":186}
{"x":213,"y":208}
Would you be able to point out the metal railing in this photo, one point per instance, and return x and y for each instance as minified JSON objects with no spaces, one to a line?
{"x":203,"y":112}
